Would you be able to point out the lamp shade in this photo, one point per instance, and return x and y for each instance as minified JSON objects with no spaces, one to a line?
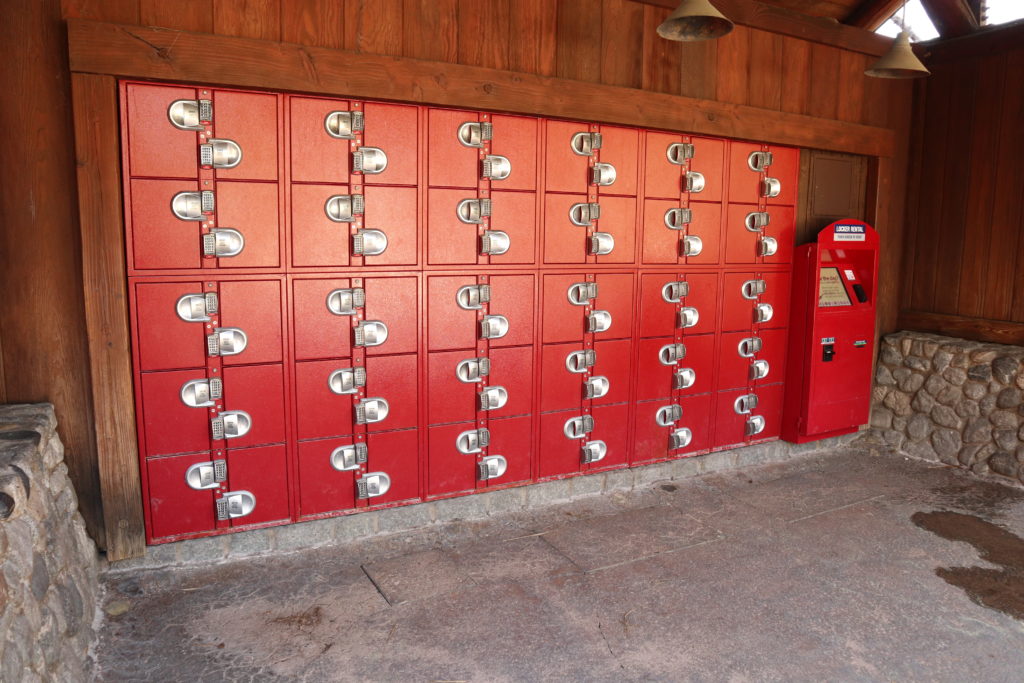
{"x":694,"y":20}
{"x":899,"y":62}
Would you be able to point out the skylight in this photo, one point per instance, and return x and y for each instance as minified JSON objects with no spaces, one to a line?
{"x":995,"y":12}
{"x":916,"y":23}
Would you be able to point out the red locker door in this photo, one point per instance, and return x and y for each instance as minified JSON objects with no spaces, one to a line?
{"x":709,"y":161}
{"x":174,"y":507}
{"x":262,"y":472}
{"x":448,"y":398}
{"x":565,"y":171}
{"x":450,"y":163}
{"x":781,"y":228}
{"x":315,"y":155}
{"x":613,"y":361}
{"x":512,"y":438}
{"x":662,"y":178}
{"x":654,"y":379}
{"x":769,"y":406}
{"x":394,"y":378}
{"x":259,"y":391}
{"x":560,"y":388}
{"x":512,"y":368}
{"x":563,"y":321}
{"x":255,"y":307}
{"x":618,"y":218}
{"x":730,"y":426}
{"x":393,"y":300}
{"x":786,"y":169}
{"x":320,"y":411}
{"x":611,"y":425}
{"x":696,"y":418}
{"x":515,"y":213}
{"x":155,"y":146}
{"x":619,"y":147}
{"x":316,"y":239}
{"x":449,"y":240}
{"x":397,"y":454}
{"x":744,"y":183}
{"x":318,"y":332}
{"x":251,"y":120}
{"x":615,"y":295}
{"x":737,"y":309}
{"x":558,"y":454}
{"x":651,"y":439}
{"x":777,"y":296}
{"x":448,"y":469}
{"x":657,"y":316}
{"x":773,"y":352}
{"x":741,"y":245}
{"x":251,"y":208}
{"x":450,"y":326}
{"x":512,"y":296}
{"x":516,"y":139}
{"x":734,"y":369}
{"x":321,"y":487}
{"x":159,"y":238}
{"x":703,"y":296}
{"x":564,"y":242}
{"x":169,"y":425}
{"x":165,"y":341}
{"x":660,"y":243}
{"x":392,"y":210}
{"x":700,"y":358}
{"x":707,"y":225}
{"x":392,"y":128}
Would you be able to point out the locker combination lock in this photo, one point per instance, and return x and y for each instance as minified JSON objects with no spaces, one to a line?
{"x":344,"y":124}
{"x":473,"y":441}
{"x":474,"y":134}
{"x":679,"y":152}
{"x":680,"y":438}
{"x":599,"y":321}
{"x":678,"y":218}
{"x":667,"y":415}
{"x":584,"y":144}
{"x":369,"y":160}
{"x":370,"y":410}
{"x":347,"y":380}
{"x":602,"y":174}
{"x":348,"y":458}
{"x":346,"y":301}
{"x":491,"y":467}
{"x":343,"y":208}
{"x":369,"y":242}
{"x":190,"y":114}
{"x":494,"y":243}
{"x":473,"y":211}
{"x":223,"y":243}
{"x":673,"y":292}
{"x":372,"y":484}
{"x":235,"y":504}
{"x":694,"y":182}
{"x":206,"y":475}
{"x":492,"y":398}
{"x":669,"y":354}
{"x":578,"y":427}
{"x":596,"y":387}
{"x":230,"y":424}
{"x":593,"y":451}
{"x":473,"y":297}
{"x":220,"y":153}
{"x":495,"y":167}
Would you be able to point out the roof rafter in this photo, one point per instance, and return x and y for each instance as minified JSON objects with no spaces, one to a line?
{"x":952,"y":18}
{"x":872,"y":13}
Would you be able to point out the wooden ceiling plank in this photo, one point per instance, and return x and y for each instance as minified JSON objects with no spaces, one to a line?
{"x":871,"y":14}
{"x":952,"y":18}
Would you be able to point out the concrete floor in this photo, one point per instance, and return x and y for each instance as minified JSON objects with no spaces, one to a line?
{"x":832,"y":567}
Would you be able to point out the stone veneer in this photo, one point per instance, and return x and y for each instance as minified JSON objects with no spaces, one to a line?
{"x":48,"y":584}
{"x":950,"y":400}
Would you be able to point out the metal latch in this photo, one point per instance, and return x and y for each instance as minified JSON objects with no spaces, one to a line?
{"x":751,"y":289}
{"x":223,"y":242}
{"x":579,"y":361}
{"x":369,"y":160}
{"x":206,"y":475}
{"x":369,"y":242}
{"x":343,"y":208}
{"x":493,"y":326}
{"x":578,"y":427}
{"x":491,"y":467}
{"x":596,"y":387}
{"x":755,"y":425}
{"x":593,"y":451}
{"x":473,"y":211}
{"x":226,"y":341}
{"x":677,"y":218}
{"x":372,"y":484}
{"x":759,"y":369}
{"x":190,"y":114}
{"x":474,"y":134}
{"x":758,"y":161}
{"x":197,"y":308}
{"x":346,"y":301}
{"x":230,"y":424}
{"x":601,"y":243}
{"x":748,"y":346}
{"x":220,"y":153}
{"x":692,"y":245}
{"x":473,"y":297}
{"x":602,"y":174}
{"x":369,"y":333}
{"x":673,"y":292}
{"x":349,"y":457}
{"x":679,"y":152}
{"x":694,"y":182}
{"x":495,"y":167}
{"x":582,"y":213}
{"x":770,"y":187}
{"x":370,"y":410}
{"x":584,"y":144}
{"x":344,"y":124}
{"x":190,"y":206}
{"x":492,"y":398}
{"x":688,"y":317}
{"x":669,"y":354}
{"x":755,"y":221}
{"x":667,"y":415}
{"x":494,"y":243}
{"x":472,"y":370}
{"x":683,"y":378}
{"x":580,"y":293}
{"x":347,"y":380}
{"x":767,"y":246}
{"x":599,"y":321}
{"x":201,"y":393}
{"x":473,"y":440}
{"x":235,"y":504}
{"x":744,"y":404}
{"x":680,"y":438}
{"x":763,"y":313}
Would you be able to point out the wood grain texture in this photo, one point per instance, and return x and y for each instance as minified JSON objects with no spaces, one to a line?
{"x":537,"y":19}
{"x":981,"y":329}
{"x":733,"y":78}
{"x":483,"y":35}
{"x":578,"y":34}
{"x":120,"y":11}
{"x":662,"y":59}
{"x":186,"y":15}
{"x":248,"y":18}
{"x":870,"y":14}
{"x":765,"y":69}
{"x":106,"y":310}
{"x":430,"y":30}
{"x":622,"y":29}
{"x":697,"y":69}
{"x":378,"y":28}
{"x":852,"y":82}
{"x":313,"y":22}
{"x":796,"y":74}
{"x":823,"y":82}
{"x":952,"y":18}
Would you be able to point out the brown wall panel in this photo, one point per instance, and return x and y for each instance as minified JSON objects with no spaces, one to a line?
{"x":313,"y":22}
{"x":248,"y":18}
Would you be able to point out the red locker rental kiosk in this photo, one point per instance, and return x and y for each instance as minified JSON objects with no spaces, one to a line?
{"x":831,"y":349}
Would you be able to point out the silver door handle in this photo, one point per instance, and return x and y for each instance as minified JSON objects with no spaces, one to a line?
{"x":369,"y":160}
{"x":343,"y":208}
{"x":346,"y":301}
{"x":223,"y":242}
{"x":584,"y":213}
{"x":751,"y":289}
{"x":343,"y":124}
{"x":669,"y":354}
{"x":678,"y":218}
{"x":491,"y":467}
{"x":349,"y":457}
{"x":584,"y":144}
{"x":206,"y":475}
{"x":474,"y":133}
{"x":667,"y":415}
{"x":673,"y":292}
{"x":593,"y":451}
{"x":755,"y":221}
{"x":602,"y":174}
{"x":347,"y":380}
{"x":748,"y":346}
{"x":495,"y":167}
{"x":679,"y":152}
{"x":759,"y":161}
{"x":230,"y":424}
{"x":744,"y":404}
{"x":373,"y":484}
{"x":190,"y":114}
{"x":220,"y":153}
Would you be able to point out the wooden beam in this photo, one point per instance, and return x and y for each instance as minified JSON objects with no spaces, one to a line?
{"x":871,"y":14}
{"x":106,"y":310}
{"x":979,"y":329}
{"x":952,"y":18}
{"x":134,"y":51}
{"x":791,"y":23}
{"x":987,"y":41}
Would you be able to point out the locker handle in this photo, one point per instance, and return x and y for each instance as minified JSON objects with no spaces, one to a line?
{"x":494,"y":243}
{"x":231,"y":424}
{"x":474,"y":133}
{"x":346,"y":301}
{"x":744,"y":404}
{"x":472,"y":370}
{"x":190,"y":114}
{"x":347,"y":380}
{"x":473,"y":211}
{"x":349,"y":457}
{"x":495,"y":167}
{"x":771,"y":187}
{"x":193,"y":206}
{"x":369,"y":160}
{"x":473,"y":297}
{"x":602,"y":174}
{"x":667,"y":415}
{"x":763,"y":313}
{"x":670,"y":353}
{"x":688,"y":317}
{"x":197,"y":308}
{"x":370,"y":410}
{"x":584,"y":144}
{"x":759,"y":369}
{"x":602,"y":243}
{"x":220,"y":153}
{"x":579,"y":361}
{"x":369,"y":242}
{"x":491,"y":467}
{"x":748,"y":346}
{"x":599,"y":321}
{"x":372,"y":484}
{"x":679,"y":152}
{"x":492,"y":398}
{"x":578,"y":427}
{"x":767,"y":246}
{"x":235,"y":504}
{"x":673,"y":292}
{"x":201,"y":393}
{"x":343,"y":124}
{"x":583,"y":213}
{"x":206,"y":475}
{"x":759,"y":161}
{"x":343,"y":208}
{"x":680,"y":438}
{"x":751,"y":289}
{"x":694,"y":182}
{"x":692,"y":245}
{"x":684,"y":378}
{"x":226,"y":341}
{"x":678,"y":218}
{"x":596,"y":387}
{"x":756,"y":221}
{"x":755,"y":425}
{"x":473,"y":441}
{"x":580,"y":293}
{"x":223,"y":242}
{"x":493,"y":327}
{"x":370,"y":333}
{"x":593,"y":451}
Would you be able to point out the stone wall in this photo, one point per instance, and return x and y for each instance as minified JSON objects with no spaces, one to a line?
{"x":951,"y":400}
{"x":48,"y":584}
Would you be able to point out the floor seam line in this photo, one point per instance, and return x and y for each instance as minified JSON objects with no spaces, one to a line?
{"x":836,"y":509}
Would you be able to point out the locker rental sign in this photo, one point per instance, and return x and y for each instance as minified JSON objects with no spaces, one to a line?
{"x":848,"y":233}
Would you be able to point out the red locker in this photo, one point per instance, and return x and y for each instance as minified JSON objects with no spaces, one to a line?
{"x":252,"y":209}
{"x":661,"y":244}
{"x":740,"y":296}
{"x":259,"y":391}
{"x":650,"y":443}
{"x":450,"y":399}
{"x":618,"y":219}
{"x":619,"y":147}
{"x":615,"y":295}
{"x":320,"y":412}
{"x":730,"y":424}
{"x":742,"y":234}
{"x":449,"y":326}
{"x":156,"y":147}
{"x":516,"y":138}
{"x":393,"y":211}
{"x":512,"y":368}
{"x":662,"y":177}
{"x":512,"y":296}
{"x":448,"y":469}
{"x":563,"y":321}
{"x":781,"y":228}
{"x":451,"y":162}
{"x":253,"y":306}
{"x":512,"y":438}
{"x":174,"y":507}
{"x":397,"y":455}
{"x":169,"y":424}
{"x":744,"y":182}
{"x":319,"y":333}
{"x":611,"y":425}
{"x":393,"y":378}
{"x":449,"y":240}
{"x":159,"y":238}
{"x":264,"y":473}
{"x":164,"y":340}
{"x":315,"y":155}
{"x":785,"y":168}
{"x":659,"y":316}
{"x":613,"y":361}
{"x":321,"y":487}
{"x":706,"y":226}
{"x":770,"y":400}
{"x":696,"y":418}
{"x":392,"y":128}
{"x":776,"y":295}
{"x":393,"y":300}
{"x":565,"y":170}
{"x":737,"y":364}
{"x":699,"y":243}
{"x":773,"y":352}
{"x":515,"y":214}
{"x":564,"y":242}
{"x":558,"y":454}
{"x":316,"y":239}
{"x":654,"y":378}
{"x":251,"y":120}
{"x":709,"y":161}
{"x":561,"y":389}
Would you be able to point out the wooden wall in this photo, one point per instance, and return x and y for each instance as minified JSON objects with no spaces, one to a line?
{"x":964,"y":272}
{"x":604,"y":41}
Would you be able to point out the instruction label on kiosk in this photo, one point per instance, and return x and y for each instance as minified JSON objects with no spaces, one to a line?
{"x":831,"y":290}
{"x":848,"y":233}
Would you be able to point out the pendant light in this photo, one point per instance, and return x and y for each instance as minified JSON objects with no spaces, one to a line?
{"x":694,"y":20}
{"x":900,"y":61}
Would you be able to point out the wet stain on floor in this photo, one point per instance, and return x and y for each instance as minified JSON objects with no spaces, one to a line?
{"x":977,"y":496}
{"x":998,"y":589}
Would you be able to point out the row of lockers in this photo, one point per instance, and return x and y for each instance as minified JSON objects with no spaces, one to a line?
{"x":276,"y":182}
